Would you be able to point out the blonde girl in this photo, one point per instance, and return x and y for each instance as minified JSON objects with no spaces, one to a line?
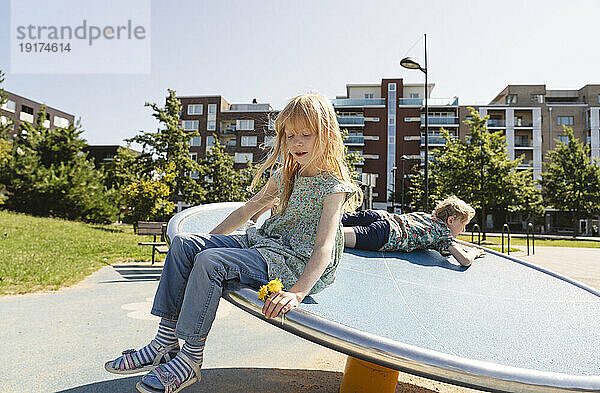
{"x":301,"y":244}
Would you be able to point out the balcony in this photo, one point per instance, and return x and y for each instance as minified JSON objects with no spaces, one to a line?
{"x":523,"y":142}
{"x":227,"y":130}
{"x":358,"y":101}
{"x":434,"y":140}
{"x":439,"y":120}
{"x":351,"y":120}
{"x":521,"y":123}
{"x":430,"y":101}
{"x":496,"y":123}
{"x":355,"y":140}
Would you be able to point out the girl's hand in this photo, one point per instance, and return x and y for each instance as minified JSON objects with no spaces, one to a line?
{"x":280,"y":302}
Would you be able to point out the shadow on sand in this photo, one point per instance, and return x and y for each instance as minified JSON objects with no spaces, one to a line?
{"x":245,"y":380}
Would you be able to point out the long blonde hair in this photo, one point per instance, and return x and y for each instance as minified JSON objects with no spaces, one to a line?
{"x":316,"y":113}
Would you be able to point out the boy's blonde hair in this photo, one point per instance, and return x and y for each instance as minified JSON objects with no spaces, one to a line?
{"x":453,"y":206}
{"x":313,"y":112}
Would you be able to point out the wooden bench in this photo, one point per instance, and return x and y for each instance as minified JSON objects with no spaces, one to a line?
{"x":155,"y":229}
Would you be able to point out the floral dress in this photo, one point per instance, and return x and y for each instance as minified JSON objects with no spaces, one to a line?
{"x":414,"y":231}
{"x":286,"y":240}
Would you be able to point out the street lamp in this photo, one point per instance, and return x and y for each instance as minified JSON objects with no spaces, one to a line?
{"x":403,"y":158}
{"x":411,"y":64}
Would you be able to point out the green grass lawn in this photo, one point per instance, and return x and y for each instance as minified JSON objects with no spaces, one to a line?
{"x":515,"y":241}
{"x":44,"y":253}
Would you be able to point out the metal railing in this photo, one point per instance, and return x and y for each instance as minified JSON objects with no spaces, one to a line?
{"x":478,"y":234}
{"x":430,"y":101}
{"x":358,"y":101}
{"x":506,"y":228}
{"x":351,"y":120}
{"x":439,"y":120}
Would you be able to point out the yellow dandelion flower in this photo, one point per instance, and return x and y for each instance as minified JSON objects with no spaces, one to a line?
{"x":275,"y":285}
{"x":263,"y":293}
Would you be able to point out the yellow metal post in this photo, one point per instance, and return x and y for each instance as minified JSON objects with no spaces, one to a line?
{"x":364,"y":377}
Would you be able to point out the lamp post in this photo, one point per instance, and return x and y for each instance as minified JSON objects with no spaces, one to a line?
{"x":403,"y":158}
{"x":411,"y":64}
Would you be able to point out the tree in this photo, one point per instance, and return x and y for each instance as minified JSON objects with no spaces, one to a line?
{"x":5,"y":142}
{"x":571,"y":181}
{"x":171,"y":144}
{"x":49,"y":174}
{"x":478,"y":171}
{"x":219,"y":178}
{"x":147,"y":198}
{"x":352,"y":158}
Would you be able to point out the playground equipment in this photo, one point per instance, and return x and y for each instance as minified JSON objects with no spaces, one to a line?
{"x":500,"y":325}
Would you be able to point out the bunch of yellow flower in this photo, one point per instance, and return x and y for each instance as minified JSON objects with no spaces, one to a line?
{"x":267,"y":290}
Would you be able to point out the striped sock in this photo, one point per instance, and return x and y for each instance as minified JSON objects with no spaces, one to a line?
{"x":179,"y":367}
{"x":165,"y":337}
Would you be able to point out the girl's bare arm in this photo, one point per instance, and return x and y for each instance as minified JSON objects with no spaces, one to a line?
{"x":465,"y":258}
{"x":319,"y":259}
{"x":241,"y":215}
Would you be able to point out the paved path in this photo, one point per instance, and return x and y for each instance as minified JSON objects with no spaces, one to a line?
{"x":59,"y":341}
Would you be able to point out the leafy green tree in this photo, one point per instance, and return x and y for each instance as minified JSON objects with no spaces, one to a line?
{"x":49,"y":174}
{"x":5,"y":142}
{"x":219,"y":178}
{"x":352,"y":158}
{"x":147,"y":198}
{"x":571,"y":181}
{"x":171,"y":144}
{"x":127,"y":167}
{"x":478,"y":171}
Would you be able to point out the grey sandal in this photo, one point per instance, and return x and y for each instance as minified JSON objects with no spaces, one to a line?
{"x":168,"y":380}
{"x":130,"y":363}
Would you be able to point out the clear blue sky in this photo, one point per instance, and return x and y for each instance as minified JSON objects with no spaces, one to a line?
{"x":273,"y":50}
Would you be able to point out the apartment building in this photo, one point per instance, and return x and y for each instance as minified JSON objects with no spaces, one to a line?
{"x":385,"y":124}
{"x":532,"y":118}
{"x":18,"y":109}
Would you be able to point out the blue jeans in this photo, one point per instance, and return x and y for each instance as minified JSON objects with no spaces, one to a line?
{"x":196,"y":270}
{"x":372,"y":230}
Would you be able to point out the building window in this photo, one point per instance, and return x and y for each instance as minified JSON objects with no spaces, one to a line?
{"x":563,"y":139}
{"x":60,"y":122}
{"x":537,"y":98}
{"x":194,"y":109}
{"x":212,"y":109}
{"x":413,"y":95}
{"x":598,"y":98}
{"x":10,"y":106}
{"x":392,"y":87}
{"x":194,"y":156}
{"x":196,"y":141}
{"x":271,"y":124}
{"x":242,"y":158}
{"x":511,"y":99}
{"x":269,"y":140}
{"x":249,"y":141}
{"x":210,"y":141}
{"x":211,"y":125}
{"x":392,"y":121}
{"x":565,"y":120}
{"x":244,"y":125}
{"x":190,"y":125}
{"x":368,"y":95}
